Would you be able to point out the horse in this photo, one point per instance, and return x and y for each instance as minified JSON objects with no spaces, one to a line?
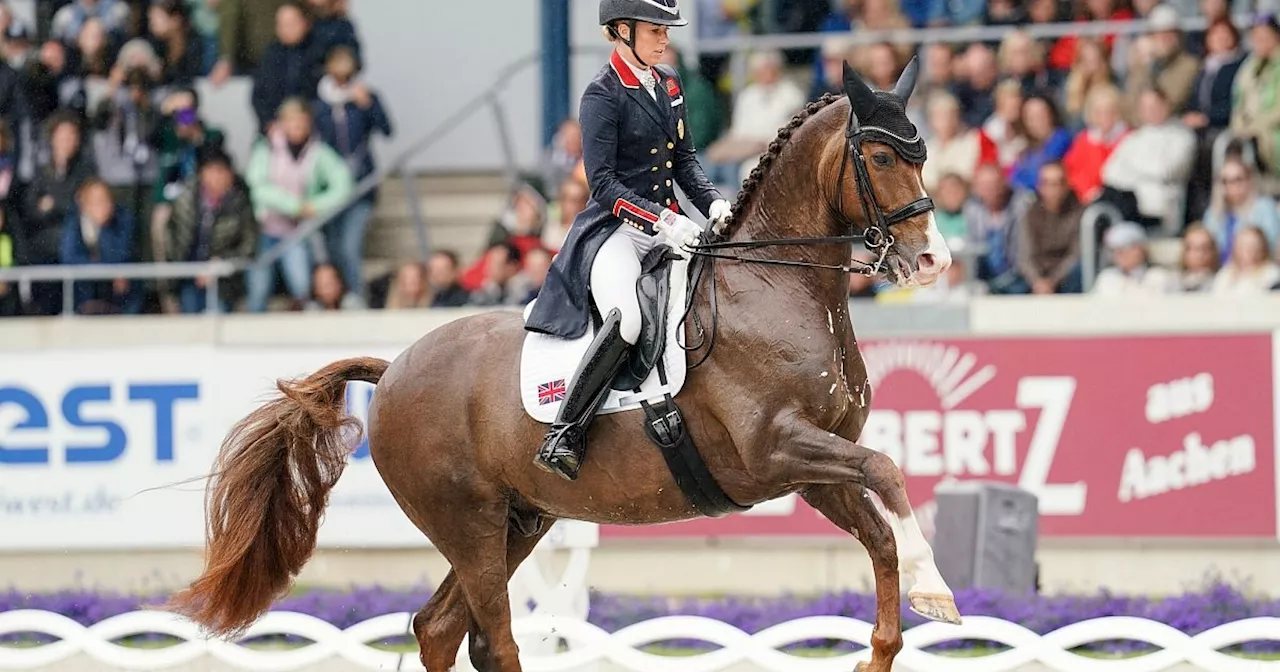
{"x":775,"y":407}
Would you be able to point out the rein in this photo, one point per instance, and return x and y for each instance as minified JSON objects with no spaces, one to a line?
{"x":877,"y":237}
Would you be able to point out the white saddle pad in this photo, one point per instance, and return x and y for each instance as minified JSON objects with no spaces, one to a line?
{"x":547,"y":362}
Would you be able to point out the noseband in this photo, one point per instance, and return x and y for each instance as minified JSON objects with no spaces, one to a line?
{"x":877,"y":237}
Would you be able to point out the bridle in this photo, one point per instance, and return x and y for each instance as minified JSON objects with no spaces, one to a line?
{"x":877,"y":237}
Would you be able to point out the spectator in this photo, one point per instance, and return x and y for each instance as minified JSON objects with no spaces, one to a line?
{"x":937,"y":74}
{"x":1004,"y":127}
{"x":122,"y":127}
{"x":828,"y":76}
{"x":8,"y":168}
{"x":952,"y":147}
{"x":180,"y":140}
{"x":47,"y":84}
{"x":571,"y":200}
{"x":1209,"y":108}
{"x":702,"y":102}
{"x":329,"y":293}
{"x":1064,"y":52}
{"x":174,"y":39}
{"x":1004,"y":13}
{"x":1091,"y":148}
{"x":212,"y":219}
{"x":11,"y":254}
{"x":1249,"y":270}
{"x":16,"y":47}
{"x":952,"y":194}
{"x":1091,"y":71}
{"x":1049,"y":236}
{"x":1213,"y":12}
{"x":347,"y":116}
{"x":992,"y":214}
{"x":520,"y":223}
{"x":442,"y":281}
{"x":1047,"y":140}
{"x":408,"y":287}
{"x":245,"y":28}
{"x":204,"y":19}
{"x":502,"y":284}
{"x":1199,"y":261}
{"x":291,"y":65}
{"x":71,"y":19}
{"x":1146,"y":176}
{"x":1236,"y":204}
{"x":881,"y":15}
{"x":976,"y":87}
{"x":762,"y":107}
{"x":564,"y":154}
{"x":333,"y":29}
{"x":292,"y":176}
{"x":94,"y":53}
{"x":49,"y":199}
{"x":97,"y":231}
{"x":958,"y":13}
{"x":1255,"y":113}
{"x":1130,"y":273}
{"x":1161,"y":62}
{"x":878,"y":63}
{"x":537,"y":262}
{"x":1022,"y":58}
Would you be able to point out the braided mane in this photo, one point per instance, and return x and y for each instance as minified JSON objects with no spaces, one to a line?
{"x":752,"y":183}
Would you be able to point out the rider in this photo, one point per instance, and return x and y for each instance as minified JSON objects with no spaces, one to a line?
{"x":636,"y":146}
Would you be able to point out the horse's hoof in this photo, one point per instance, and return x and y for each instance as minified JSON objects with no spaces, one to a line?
{"x":941,"y":608}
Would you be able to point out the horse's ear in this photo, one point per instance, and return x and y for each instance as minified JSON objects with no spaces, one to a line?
{"x":907,"y":80}
{"x":861,"y":97}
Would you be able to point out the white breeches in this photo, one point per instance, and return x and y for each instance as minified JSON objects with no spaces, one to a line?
{"x":614,"y":273}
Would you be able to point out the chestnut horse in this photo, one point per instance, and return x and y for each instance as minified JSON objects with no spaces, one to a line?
{"x":452,"y":442}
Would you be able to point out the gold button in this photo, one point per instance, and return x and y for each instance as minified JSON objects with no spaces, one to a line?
{"x":654,"y":150}
{"x":671,"y":145}
{"x":668,"y":183}
{"x":654,"y":169}
{"x":668,"y":164}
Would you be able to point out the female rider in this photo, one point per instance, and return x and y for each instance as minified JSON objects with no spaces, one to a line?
{"x":636,"y":146}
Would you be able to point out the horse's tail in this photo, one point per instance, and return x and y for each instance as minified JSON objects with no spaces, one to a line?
{"x":268,"y":493}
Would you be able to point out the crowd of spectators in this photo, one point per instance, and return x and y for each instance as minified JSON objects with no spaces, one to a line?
{"x":105,"y":157}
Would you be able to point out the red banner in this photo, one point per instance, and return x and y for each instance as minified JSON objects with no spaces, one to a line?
{"x":1137,"y":437}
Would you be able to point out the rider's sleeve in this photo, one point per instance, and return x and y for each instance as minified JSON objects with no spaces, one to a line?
{"x":688,"y":172}
{"x":598,"y":115}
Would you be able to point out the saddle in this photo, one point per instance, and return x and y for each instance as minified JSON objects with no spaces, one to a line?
{"x":664,"y":423}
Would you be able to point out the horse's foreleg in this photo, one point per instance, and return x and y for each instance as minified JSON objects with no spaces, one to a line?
{"x":812,"y":455}
{"x":849,"y":507}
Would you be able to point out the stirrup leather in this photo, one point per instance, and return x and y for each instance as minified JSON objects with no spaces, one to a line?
{"x":565,"y":446}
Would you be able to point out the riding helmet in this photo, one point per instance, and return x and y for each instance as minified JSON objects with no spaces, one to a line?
{"x":658,"y":12}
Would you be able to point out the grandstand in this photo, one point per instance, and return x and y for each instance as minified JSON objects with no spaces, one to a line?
{"x":1107,"y":339}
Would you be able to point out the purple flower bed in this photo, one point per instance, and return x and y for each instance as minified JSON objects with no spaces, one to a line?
{"x":1193,"y":612}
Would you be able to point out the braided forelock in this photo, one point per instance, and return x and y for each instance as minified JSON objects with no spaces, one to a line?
{"x":752,"y":183}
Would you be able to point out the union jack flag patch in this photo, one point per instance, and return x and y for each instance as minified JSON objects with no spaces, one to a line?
{"x":549,"y":393}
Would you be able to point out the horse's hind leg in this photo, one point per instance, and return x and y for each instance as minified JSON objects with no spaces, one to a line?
{"x":440,"y":626}
{"x":849,"y":507}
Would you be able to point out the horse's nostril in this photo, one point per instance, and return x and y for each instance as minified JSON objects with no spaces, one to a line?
{"x":927,"y":262}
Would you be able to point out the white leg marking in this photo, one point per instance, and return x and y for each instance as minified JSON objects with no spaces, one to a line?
{"x":915,"y":557}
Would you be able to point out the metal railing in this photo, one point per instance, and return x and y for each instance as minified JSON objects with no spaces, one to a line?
{"x":219,"y":271}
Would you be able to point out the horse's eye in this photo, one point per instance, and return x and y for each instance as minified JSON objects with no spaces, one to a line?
{"x":882,"y":160}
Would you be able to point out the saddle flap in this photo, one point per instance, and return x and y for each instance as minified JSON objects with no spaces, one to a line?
{"x":653,"y":290}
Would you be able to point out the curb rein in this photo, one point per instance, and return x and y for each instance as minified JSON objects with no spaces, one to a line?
{"x":877,"y":237}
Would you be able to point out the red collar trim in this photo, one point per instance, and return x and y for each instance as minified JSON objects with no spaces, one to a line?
{"x":623,"y":71}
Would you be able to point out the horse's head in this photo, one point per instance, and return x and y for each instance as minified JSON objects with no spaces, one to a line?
{"x":876,"y":167}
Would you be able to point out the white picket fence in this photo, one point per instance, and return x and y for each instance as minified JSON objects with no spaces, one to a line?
{"x":590,"y":648}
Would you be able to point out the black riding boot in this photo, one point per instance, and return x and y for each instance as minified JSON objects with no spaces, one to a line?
{"x":566,"y":442}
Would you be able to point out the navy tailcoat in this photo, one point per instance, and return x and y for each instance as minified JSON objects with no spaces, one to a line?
{"x":634,"y":150}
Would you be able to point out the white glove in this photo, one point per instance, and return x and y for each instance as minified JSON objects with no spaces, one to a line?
{"x":719,"y":214}
{"x":678,"y":230}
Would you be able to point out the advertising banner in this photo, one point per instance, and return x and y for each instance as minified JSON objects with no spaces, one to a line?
{"x":1134,"y":437}
{"x":1170,"y":436}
